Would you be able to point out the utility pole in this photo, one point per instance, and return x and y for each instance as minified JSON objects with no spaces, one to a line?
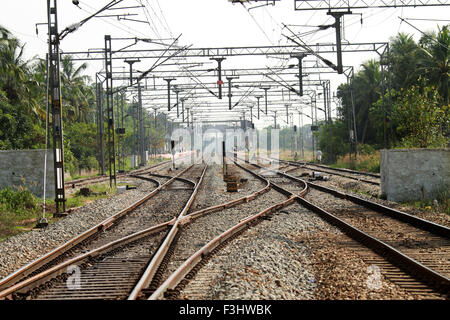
{"x":337,"y":15}
{"x":122,"y":131}
{"x":141,"y":128}
{"x":275,"y":119}
{"x":100,"y":126}
{"x":300,"y":124}
{"x":312,"y":131}
{"x":219,"y":72}
{"x":287,"y":112}
{"x":258,"y":98}
{"x":300,"y":72}
{"x":177,"y":92}
{"x":229,"y":91}
{"x":56,"y":106}
{"x":168,"y":92}
{"x":110,"y":111}
{"x":130,"y":63}
{"x":265,"y":94}
{"x":353,"y":133}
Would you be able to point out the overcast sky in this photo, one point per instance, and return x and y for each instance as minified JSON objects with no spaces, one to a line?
{"x":210,"y":23}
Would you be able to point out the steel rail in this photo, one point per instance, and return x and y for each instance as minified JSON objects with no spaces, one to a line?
{"x":192,"y":183}
{"x":404,"y":262}
{"x":420,"y":223}
{"x":196,"y":214}
{"x":298,"y":163}
{"x":105,"y":224}
{"x":370,"y":174}
{"x":334,"y":173}
{"x":153,"y":265}
{"x":175,"y":278}
{"x":54,"y":271}
{"x":73,"y":183}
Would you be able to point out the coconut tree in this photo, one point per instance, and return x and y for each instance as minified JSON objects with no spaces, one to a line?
{"x":403,"y":61}
{"x":367,"y":88}
{"x":14,"y":70}
{"x":434,"y":61}
{"x":73,"y":88}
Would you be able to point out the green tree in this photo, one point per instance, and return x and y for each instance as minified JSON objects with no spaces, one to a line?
{"x":420,"y":116}
{"x":75,"y":91}
{"x":404,"y":53}
{"x":435,"y":61}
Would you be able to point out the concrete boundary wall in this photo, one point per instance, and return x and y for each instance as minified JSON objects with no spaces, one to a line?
{"x":414,"y":174}
{"x":26,"y":167}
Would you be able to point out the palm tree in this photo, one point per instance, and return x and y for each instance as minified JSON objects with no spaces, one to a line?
{"x":13,"y":69}
{"x":15,"y":73}
{"x":367,"y":88}
{"x":403,"y":61}
{"x":74,"y":85}
{"x":434,"y":61}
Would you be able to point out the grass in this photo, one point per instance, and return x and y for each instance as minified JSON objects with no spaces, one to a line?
{"x":363,"y":162}
{"x":78,"y":176}
{"x":443,"y":202}
{"x":20,"y":210}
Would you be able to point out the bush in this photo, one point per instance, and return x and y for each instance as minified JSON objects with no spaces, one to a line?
{"x":364,"y":162}
{"x":366,"y":149}
{"x":18,"y":200}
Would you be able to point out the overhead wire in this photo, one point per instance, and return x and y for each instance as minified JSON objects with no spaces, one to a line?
{"x":164,"y":18}
{"x":106,"y":20}
{"x":259,"y":26}
{"x":149,"y":20}
{"x":156,"y":15}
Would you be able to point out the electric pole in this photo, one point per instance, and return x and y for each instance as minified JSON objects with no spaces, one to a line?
{"x":56,"y":106}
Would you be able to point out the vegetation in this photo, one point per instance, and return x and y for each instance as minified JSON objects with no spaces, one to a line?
{"x":413,"y":114}
{"x":20,"y":209}
{"x":23,"y":104}
{"x":23,"y":116}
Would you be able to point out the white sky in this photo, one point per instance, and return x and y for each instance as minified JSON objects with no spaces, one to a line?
{"x":210,"y":23}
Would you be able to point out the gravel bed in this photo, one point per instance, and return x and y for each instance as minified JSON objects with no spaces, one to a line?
{"x":341,"y":183}
{"x":293,"y":256}
{"x":372,"y":193}
{"x":342,"y":274}
{"x":203,"y":229}
{"x":20,"y":250}
{"x":213,"y":190}
{"x":264,"y":262}
{"x":417,"y":243}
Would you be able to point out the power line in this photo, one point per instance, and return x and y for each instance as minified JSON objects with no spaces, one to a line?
{"x":157,"y":16}
{"x":164,"y":18}
{"x":426,"y":35}
{"x":134,"y":33}
{"x":424,"y":19}
{"x":148,"y":18}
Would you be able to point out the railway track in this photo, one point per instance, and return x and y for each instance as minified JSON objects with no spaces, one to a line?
{"x":190,"y":261}
{"x":399,"y":268}
{"x":365,"y":177}
{"x":135,"y":223}
{"x":159,"y":259}
{"x":86,"y":181}
{"x":417,"y":246}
